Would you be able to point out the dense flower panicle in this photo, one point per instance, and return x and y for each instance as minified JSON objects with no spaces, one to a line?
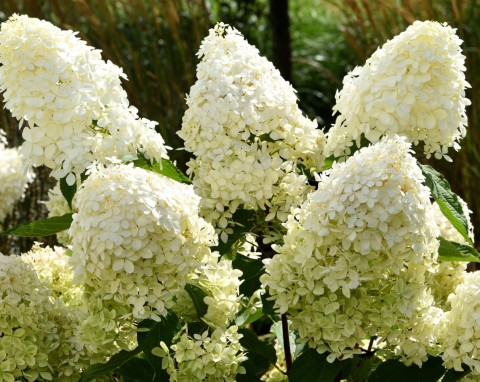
{"x":420,"y":337}
{"x":26,"y":324}
{"x":461,"y":342}
{"x":355,"y":254}
{"x":245,"y":129}
{"x":51,"y":265}
{"x":69,"y":356}
{"x":14,"y":179}
{"x":220,"y":282}
{"x":443,"y":277}
{"x":76,"y":109}
{"x":136,"y":237}
{"x":414,"y":85}
{"x":209,"y":357}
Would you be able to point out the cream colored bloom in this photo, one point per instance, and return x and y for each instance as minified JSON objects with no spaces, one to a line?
{"x":76,"y":108}
{"x":461,"y":342}
{"x":69,"y":356}
{"x":136,"y":237}
{"x":414,"y":86}
{"x":247,"y":134}
{"x":209,"y":357}
{"x":355,"y":255}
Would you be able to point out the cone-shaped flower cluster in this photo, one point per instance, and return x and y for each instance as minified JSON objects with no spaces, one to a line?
{"x":76,"y":109}
{"x":356,"y":252}
{"x":246,"y":132}
{"x":136,"y":237}
{"x":414,"y":85}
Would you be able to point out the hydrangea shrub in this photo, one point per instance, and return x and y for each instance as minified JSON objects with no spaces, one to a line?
{"x":287,"y":254}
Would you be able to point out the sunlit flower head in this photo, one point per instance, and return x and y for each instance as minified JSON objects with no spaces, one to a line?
{"x":136,"y":237}
{"x":245,"y":129}
{"x":73,"y":101}
{"x":355,"y":254}
{"x":414,"y":85}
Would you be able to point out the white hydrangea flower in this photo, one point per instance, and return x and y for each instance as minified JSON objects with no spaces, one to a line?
{"x":245,"y":129}
{"x":76,"y":109}
{"x":461,"y":343}
{"x":14,"y":179}
{"x":420,"y":338}
{"x":443,"y":278}
{"x":414,"y":85}
{"x":26,"y":325}
{"x":354,"y":258}
{"x":221,"y":282}
{"x":70,"y":356}
{"x":136,"y":237}
{"x":209,"y":357}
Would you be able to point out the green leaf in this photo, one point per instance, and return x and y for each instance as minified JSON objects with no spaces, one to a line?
{"x":252,"y":269}
{"x":197,"y":295}
{"x":149,"y":336}
{"x":451,"y":251}
{"x":328,"y":163}
{"x":447,"y":200}
{"x":313,"y":367}
{"x":68,"y":192}
{"x":268,"y":305}
{"x":245,"y":318}
{"x":99,"y":370}
{"x":42,"y":227}
{"x":260,"y":354}
{"x":137,"y":370}
{"x":165,"y":167}
{"x":152,"y":332}
{"x":393,"y":370}
{"x":245,"y":219}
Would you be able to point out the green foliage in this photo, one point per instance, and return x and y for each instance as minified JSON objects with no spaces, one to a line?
{"x":138,"y":370}
{"x":197,"y":295}
{"x":68,"y":191}
{"x":447,"y":200}
{"x":116,"y":361}
{"x":165,"y":167}
{"x":252,"y":270}
{"x":260,"y":353}
{"x":244,"y":223}
{"x":451,"y":251}
{"x":42,"y":227}
{"x":395,"y":371}
{"x":314,"y":367}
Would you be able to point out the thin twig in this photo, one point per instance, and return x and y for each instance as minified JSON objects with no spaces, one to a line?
{"x":286,"y":343}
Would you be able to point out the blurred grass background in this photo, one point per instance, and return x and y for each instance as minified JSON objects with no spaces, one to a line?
{"x":155,"y":42}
